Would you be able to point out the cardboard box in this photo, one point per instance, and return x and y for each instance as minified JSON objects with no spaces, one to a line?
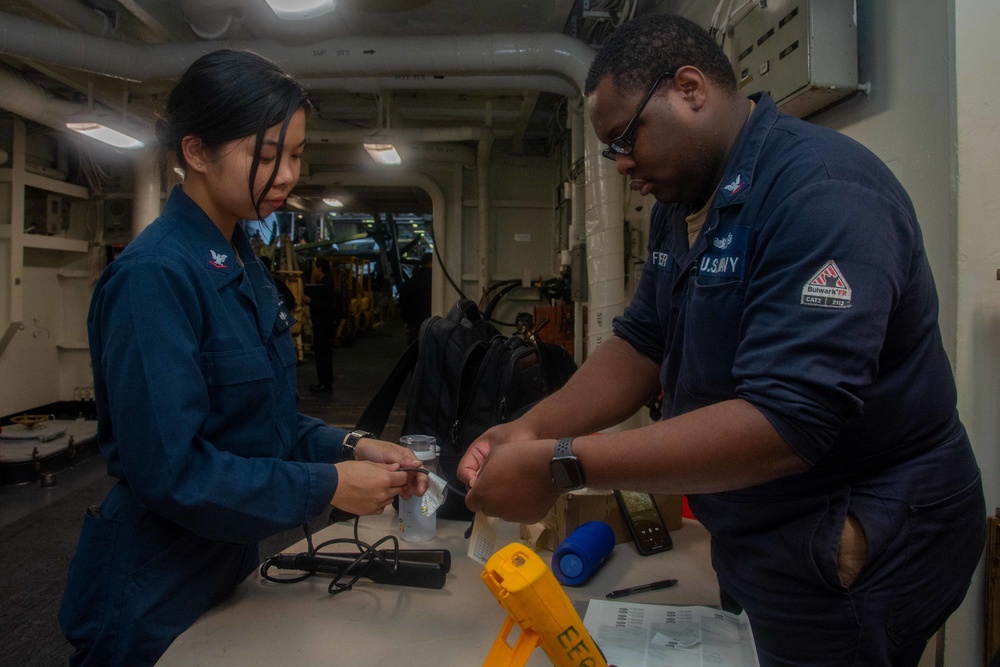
{"x":574,"y":509}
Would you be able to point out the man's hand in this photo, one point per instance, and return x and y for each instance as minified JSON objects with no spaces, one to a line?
{"x":367,"y":488}
{"x":516,"y":485}
{"x":475,"y":456}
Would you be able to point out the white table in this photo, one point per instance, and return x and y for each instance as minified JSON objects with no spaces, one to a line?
{"x":263,"y":623}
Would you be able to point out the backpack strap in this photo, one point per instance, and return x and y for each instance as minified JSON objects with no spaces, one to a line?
{"x":377,"y":411}
{"x":464,"y":309}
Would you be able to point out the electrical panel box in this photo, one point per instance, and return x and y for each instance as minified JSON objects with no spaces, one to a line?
{"x":44,"y":212}
{"x":53,"y":214}
{"x":803,"y":53}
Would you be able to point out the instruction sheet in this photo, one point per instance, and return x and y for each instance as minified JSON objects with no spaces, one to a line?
{"x":652,"y":635}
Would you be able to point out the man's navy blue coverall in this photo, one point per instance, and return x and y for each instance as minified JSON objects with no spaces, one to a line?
{"x":194,"y":375}
{"x":808,"y":294}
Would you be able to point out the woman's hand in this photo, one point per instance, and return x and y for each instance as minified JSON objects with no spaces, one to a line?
{"x":364,"y":487}
{"x":382,"y":451}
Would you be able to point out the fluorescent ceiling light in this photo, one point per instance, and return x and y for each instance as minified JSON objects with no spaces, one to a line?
{"x":334,"y":202}
{"x":101,"y":125}
{"x":298,"y":10}
{"x":383,"y":153}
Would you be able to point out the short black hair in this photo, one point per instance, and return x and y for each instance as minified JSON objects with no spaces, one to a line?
{"x":226,"y":95}
{"x":647,"y":46}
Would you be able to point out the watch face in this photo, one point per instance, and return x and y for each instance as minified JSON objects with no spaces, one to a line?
{"x":566,"y":473}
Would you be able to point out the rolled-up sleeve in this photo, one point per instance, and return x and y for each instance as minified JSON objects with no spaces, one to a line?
{"x":806,"y":367}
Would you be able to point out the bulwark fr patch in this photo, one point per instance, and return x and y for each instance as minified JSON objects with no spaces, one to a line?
{"x":827,"y":288}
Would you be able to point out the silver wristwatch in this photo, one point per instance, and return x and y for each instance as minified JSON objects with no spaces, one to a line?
{"x":349,"y":451}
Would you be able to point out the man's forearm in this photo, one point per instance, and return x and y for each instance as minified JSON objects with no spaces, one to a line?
{"x":721,"y":447}
{"x":608,"y":388}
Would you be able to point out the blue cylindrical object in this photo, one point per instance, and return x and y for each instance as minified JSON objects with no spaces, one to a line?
{"x":582,"y":552}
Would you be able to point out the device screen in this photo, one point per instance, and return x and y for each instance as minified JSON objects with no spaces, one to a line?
{"x":645,"y":522}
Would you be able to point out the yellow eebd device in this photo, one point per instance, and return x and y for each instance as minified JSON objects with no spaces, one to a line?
{"x":527,"y":589}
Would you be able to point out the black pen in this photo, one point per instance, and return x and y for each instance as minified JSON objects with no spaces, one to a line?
{"x":655,"y":586}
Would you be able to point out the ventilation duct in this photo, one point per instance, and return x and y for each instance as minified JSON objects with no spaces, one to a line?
{"x":27,"y":100}
{"x":352,"y":56}
{"x":496,"y":54}
{"x":545,"y":83}
{"x":76,"y":15}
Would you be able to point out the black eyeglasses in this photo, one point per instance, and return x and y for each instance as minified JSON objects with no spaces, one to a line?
{"x":623,"y":144}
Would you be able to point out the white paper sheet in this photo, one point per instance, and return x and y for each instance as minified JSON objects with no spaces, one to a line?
{"x":650,"y":635}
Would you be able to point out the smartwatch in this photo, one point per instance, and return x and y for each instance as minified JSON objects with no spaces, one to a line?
{"x":348,"y":452}
{"x":567,"y":473}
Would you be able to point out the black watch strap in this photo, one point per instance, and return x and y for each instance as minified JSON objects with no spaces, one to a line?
{"x":349,"y":451}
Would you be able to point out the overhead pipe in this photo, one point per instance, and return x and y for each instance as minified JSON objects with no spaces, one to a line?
{"x":33,"y":102}
{"x":221,"y":19}
{"x":499,"y":53}
{"x":490,"y":54}
{"x":546,"y":83}
{"x":460,"y":154}
{"x":411,"y":142}
{"x":483,"y":183}
{"x":212,"y":20}
{"x":74,"y":14}
{"x":401,"y":134}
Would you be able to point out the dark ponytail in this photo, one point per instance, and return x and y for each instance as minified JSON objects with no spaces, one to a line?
{"x":227,"y":95}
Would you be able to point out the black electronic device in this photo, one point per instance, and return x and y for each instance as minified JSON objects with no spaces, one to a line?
{"x":644,"y":522}
{"x":422,"y":568}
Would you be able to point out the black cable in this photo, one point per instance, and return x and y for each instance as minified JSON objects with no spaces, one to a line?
{"x":437,"y":253}
{"x":496,"y":285}
{"x":368,"y":554}
{"x":488,"y":312}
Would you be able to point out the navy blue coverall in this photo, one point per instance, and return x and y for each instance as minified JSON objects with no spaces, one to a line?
{"x":808,"y":294}
{"x":194,"y":375}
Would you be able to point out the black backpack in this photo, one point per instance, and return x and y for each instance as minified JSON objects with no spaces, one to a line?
{"x":467,"y":377}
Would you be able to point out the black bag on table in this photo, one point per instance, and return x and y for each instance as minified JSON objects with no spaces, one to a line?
{"x":467,"y":377}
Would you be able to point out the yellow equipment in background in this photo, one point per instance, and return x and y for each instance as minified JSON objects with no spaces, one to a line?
{"x":352,"y":281}
{"x":289,"y":273}
{"x":524,"y":585}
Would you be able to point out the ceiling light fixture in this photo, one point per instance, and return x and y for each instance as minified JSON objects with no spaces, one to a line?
{"x":383,"y":153}
{"x":334,"y":202}
{"x":300,"y":10}
{"x":105,"y":126}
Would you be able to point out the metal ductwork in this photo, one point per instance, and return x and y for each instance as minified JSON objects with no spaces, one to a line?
{"x":477,"y":55}
{"x":545,"y":83}
{"x":223,"y":19}
{"x":351,"y":56}
{"x":76,"y":15}
{"x":402,"y":135}
{"x":30,"y":101}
